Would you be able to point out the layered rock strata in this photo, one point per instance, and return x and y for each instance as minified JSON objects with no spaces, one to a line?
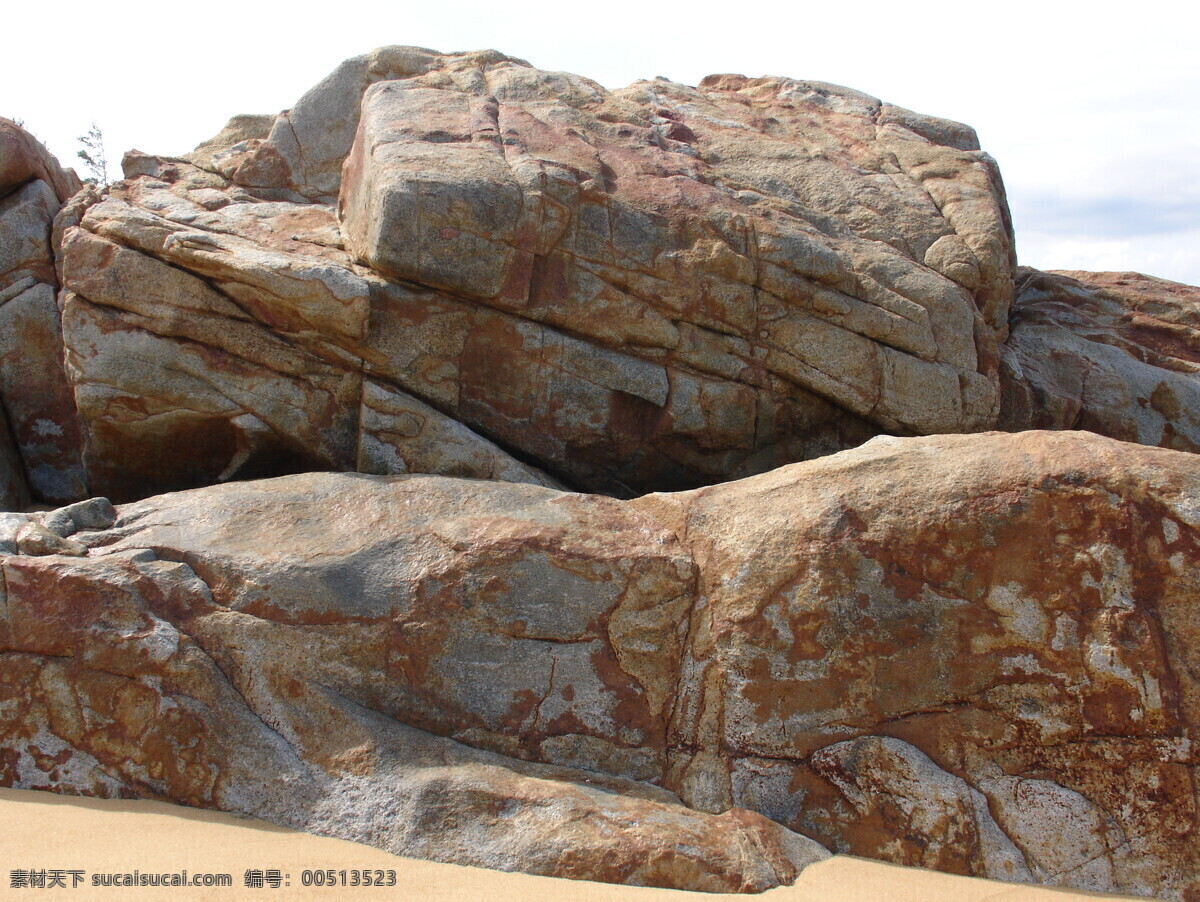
{"x":653,"y":288}
{"x":993,"y":676}
{"x":459,"y":264}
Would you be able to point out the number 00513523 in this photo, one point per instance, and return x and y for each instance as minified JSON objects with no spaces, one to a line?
{"x":348,"y":877}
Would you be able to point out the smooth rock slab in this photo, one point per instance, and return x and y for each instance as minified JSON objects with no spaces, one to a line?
{"x":162,"y":704}
{"x":923,"y":650}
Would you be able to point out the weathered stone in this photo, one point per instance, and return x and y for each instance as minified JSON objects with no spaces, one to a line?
{"x":948,"y":824}
{"x":10,"y":523}
{"x":169,"y":698}
{"x":161,"y":414}
{"x":974,"y":654}
{"x":598,"y":416}
{"x":23,"y":159}
{"x":654,"y":288}
{"x":1012,"y":607}
{"x":399,"y":434}
{"x":35,"y":540}
{"x":235,"y":136}
{"x":68,"y":217}
{"x":234,"y":397}
{"x":38,"y":396}
{"x":94,"y":513}
{"x":292,"y":291}
{"x":307,"y":144}
{"x":1113,"y":353}
{"x":486,"y":188}
{"x":33,"y":386}
{"x":60,"y":523}
{"x":991,"y":676}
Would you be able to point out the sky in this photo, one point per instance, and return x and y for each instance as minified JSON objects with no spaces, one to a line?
{"x":1091,"y":114}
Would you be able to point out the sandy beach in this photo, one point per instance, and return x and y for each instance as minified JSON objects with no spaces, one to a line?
{"x":93,"y":837}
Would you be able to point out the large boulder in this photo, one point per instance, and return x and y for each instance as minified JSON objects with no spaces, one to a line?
{"x":653,"y":288}
{"x":38,"y":397}
{"x":212,"y":337}
{"x":459,"y":264}
{"x":24,"y":159}
{"x":131,"y":673}
{"x":33,"y":186}
{"x":46,"y":438}
{"x":975,"y":653}
{"x":971,"y":653}
{"x":1113,"y":353}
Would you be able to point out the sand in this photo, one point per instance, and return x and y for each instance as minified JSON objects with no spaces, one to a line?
{"x":44,"y":831}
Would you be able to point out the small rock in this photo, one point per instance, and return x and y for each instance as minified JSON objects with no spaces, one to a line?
{"x":10,"y":523}
{"x":35,"y":540}
{"x":60,"y":523}
{"x":95,"y":513}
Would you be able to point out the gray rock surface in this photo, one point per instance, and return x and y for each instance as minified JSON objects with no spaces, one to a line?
{"x":1113,"y":353}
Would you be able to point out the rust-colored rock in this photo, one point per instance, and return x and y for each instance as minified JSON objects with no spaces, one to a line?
{"x":654,"y":288}
{"x":234,"y":680}
{"x":460,"y":264}
{"x":38,"y":397}
{"x":889,"y":633}
{"x":23,"y":159}
{"x":242,"y":338}
{"x":971,"y":653}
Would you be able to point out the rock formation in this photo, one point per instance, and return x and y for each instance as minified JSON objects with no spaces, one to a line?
{"x":647,"y":289}
{"x":994,"y":676}
{"x":462,"y":265}
{"x":1113,"y":353}
{"x":39,"y":429}
{"x":974,"y":653}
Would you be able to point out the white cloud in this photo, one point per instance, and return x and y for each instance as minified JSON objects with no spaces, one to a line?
{"x":1171,"y":256}
{"x":1137,"y":211}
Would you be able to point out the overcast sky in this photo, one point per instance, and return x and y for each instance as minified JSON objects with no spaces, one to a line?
{"x":1091,"y":114}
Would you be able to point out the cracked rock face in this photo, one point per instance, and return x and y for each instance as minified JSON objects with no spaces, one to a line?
{"x":652,"y":288}
{"x":462,"y":265}
{"x":996,"y":677}
{"x":260,"y":679}
{"x":1017,"y":612}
